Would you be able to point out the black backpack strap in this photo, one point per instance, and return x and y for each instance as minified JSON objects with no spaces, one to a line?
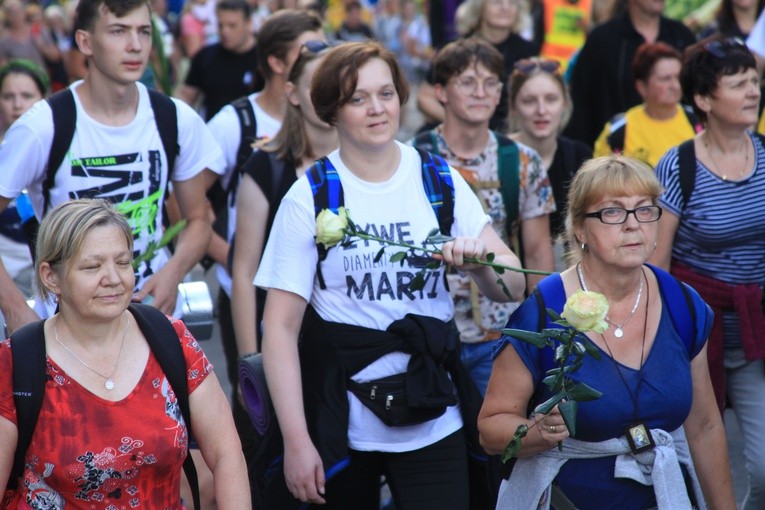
{"x":615,"y":139}
{"x":249,"y":128}
{"x":166,"y":347}
{"x":693,"y":120}
{"x":686,"y":160}
{"x":29,"y":366}
{"x":64,"y":122}
{"x":166,"y":118}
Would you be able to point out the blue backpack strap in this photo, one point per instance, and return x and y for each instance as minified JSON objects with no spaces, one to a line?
{"x":327,"y":193}
{"x":29,"y":365}
{"x":439,"y":188}
{"x":684,"y":318}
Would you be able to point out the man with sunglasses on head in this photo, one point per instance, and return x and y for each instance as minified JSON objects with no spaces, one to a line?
{"x":602,"y":84}
{"x":508,"y":178}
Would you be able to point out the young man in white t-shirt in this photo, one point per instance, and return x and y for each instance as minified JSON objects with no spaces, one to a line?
{"x":116,"y":153}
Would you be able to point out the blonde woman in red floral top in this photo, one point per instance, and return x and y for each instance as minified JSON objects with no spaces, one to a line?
{"x":110,"y":432}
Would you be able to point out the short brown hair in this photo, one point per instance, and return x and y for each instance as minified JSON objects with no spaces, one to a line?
{"x":458,"y":55}
{"x":88,"y":11}
{"x":336,"y":78}
{"x":648,"y":54}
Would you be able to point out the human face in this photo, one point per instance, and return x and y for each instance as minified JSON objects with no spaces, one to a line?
{"x":476,"y":107}
{"x":626,"y":245}
{"x":540,"y":105}
{"x":299,"y":94}
{"x":118,"y":48}
{"x":500,"y":14}
{"x":18,"y":94}
{"x":370,"y":119}
{"x":233,"y":30}
{"x":98,"y":282}
{"x":735,"y":102}
{"x":652,"y":8}
{"x":663,"y":85}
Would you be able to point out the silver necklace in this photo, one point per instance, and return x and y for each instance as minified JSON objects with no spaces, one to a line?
{"x":108,"y":380}
{"x":618,"y":331}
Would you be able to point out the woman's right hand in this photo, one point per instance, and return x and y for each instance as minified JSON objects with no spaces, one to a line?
{"x":304,"y":472}
{"x":551,"y":427}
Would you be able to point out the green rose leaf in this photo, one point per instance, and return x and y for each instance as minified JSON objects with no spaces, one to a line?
{"x":379,"y":254}
{"x":536,"y":339}
{"x":514,"y":446}
{"x":568,"y":413}
{"x":398,"y":257}
{"x":581,"y":392}
{"x":546,"y":406}
{"x":418,"y":282}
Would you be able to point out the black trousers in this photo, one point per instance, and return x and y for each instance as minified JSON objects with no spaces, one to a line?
{"x":435,"y":476}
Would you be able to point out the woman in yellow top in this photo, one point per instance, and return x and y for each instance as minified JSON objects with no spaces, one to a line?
{"x":647,"y":131}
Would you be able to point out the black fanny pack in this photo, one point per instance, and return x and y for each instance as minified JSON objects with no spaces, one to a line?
{"x":386,"y":398}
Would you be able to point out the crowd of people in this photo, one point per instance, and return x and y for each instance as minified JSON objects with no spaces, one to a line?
{"x":602,"y":146}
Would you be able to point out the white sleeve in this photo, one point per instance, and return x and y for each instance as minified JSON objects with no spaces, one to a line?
{"x":289,"y":260}
{"x":224,"y":126}
{"x":198,"y":148}
{"x":24,"y":151}
{"x":756,"y":39}
{"x":469,"y":216}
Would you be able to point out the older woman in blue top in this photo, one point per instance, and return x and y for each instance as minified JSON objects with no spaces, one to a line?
{"x":713,"y":233}
{"x":652,"y":372}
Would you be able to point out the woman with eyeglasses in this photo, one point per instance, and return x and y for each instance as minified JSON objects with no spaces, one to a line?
{"x":712,"y":234}
{"x":540,"y":107}
{"x":345,"y":410}
{"x":629,"y":451}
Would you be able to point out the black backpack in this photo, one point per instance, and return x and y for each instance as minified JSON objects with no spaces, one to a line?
{"x":618,"y":132}
{"x":29,"y":366}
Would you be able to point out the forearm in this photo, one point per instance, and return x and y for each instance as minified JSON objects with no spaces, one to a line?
{"x":540,"y":257}
{"x":497,"y":432}
{"x":229,"y":477}
{"x":243,"y":311}
{"x":13,"y":303}
{"x":191,"y":246}
{"x":709,"y":451}
{"x":218,"y":249}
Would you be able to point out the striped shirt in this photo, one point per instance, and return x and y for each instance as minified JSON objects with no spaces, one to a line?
{"x":722,"y":228}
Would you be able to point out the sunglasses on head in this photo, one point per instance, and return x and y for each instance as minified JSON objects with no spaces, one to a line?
{"x":316,"y":46}
{"x":527,"y":65}
{"x":720,"y":47}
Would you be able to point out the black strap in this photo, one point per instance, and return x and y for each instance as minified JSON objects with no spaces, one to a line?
{"x":28,"y":351}
{"x":164,"y":343}
{"x":615,"y":139}
{"x":64,"y":123}
{"x":686,"y":159}
{"x":166,"y":118}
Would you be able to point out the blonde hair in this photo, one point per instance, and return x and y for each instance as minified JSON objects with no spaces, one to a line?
{"x":519,"y":78}
{"x":63,"y":230}
{"x":614,"y":175}
{"x":470,"y":14}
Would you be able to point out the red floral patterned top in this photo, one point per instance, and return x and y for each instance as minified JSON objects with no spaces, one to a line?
{"x":90,"y":453}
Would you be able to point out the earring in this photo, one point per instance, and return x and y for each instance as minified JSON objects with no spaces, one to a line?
{"x":583,"y":246}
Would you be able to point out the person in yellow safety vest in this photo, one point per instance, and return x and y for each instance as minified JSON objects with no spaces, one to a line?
{"x":565,"y":28}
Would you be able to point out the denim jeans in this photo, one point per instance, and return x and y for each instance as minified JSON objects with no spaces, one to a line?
{"x":477,"y":360}
{"x":745,"y":385}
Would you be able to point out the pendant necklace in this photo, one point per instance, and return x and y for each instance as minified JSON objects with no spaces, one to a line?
{"x":722,"y":174}
{"x":108,"y":380}
{"x":619,"y":328}
{"x":638,"y":434}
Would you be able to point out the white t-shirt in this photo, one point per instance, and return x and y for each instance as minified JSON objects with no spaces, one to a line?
{"x":756,"y":39}
{"x":362,"y":292}
{"x":227,"y":130}
{"x":126,"y":164}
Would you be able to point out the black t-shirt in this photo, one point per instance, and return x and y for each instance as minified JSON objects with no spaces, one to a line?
{"x":513,"y":49}
{"x":223,"y":76}
{"x":568,"y":157}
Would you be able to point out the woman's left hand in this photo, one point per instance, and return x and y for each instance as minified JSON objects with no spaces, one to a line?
{"x":455,"y":252}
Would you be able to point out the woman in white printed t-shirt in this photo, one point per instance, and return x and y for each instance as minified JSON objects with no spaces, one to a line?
{"x":369,"y":342}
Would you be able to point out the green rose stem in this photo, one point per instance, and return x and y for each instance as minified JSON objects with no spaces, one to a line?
{"x":152,"y":247}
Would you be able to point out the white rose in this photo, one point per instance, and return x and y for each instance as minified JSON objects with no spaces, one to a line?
{"x":330,"y":227}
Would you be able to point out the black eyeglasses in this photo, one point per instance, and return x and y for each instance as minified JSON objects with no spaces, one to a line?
{"x":618,"y":215}
{"x":315,"y":46}
{"x":527,"y":65}
{"x":719,"y":47}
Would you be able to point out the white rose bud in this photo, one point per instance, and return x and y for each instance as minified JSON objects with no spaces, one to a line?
{"x":330,"y":227}
{"x":586,"y":311}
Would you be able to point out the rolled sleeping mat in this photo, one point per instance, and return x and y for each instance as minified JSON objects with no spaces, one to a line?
{"x":257,"y":400}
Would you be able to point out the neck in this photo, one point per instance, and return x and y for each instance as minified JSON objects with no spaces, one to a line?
{"x":745,"y":17}
{"x":323,"y":140}
{"x":494,"y":35}
{"x":110,"y":104}
{"x":725,"y":140}
{"x":86,"y":333}
{"x":660,"y":111}
{"x":272,"y":98}
{"x":647,"y":25}
{"x":465,"y":140}
{"x":371,"y":166}
{"x":247,"y":46}
{"x":545,"y":147}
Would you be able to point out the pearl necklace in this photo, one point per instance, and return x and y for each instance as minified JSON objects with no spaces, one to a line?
{"x":619,"y":331}
{"x":108,"y":380}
